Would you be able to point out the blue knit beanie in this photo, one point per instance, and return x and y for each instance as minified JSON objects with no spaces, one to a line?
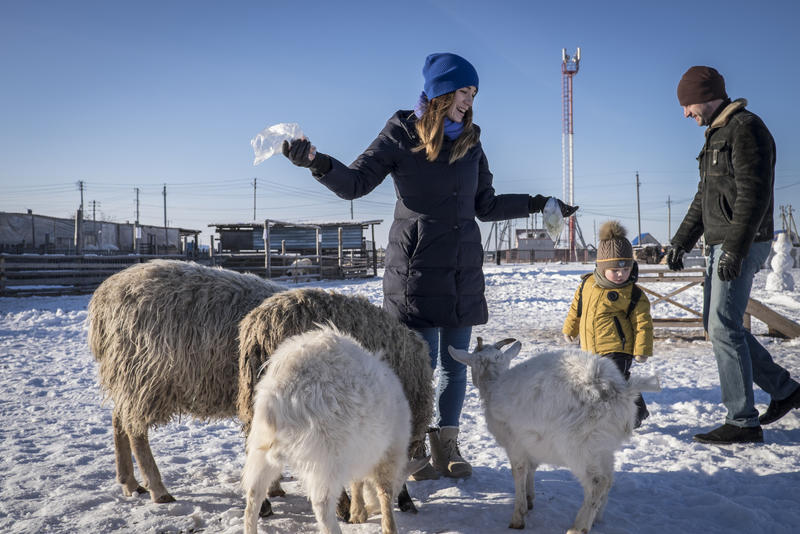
{"x":445,"y":73}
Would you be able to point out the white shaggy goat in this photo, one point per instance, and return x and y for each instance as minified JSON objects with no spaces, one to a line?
{"x":296,"y":311}
{"x":567,"y":408}
{"x":165,"y":337}
{"x":336,"y":414}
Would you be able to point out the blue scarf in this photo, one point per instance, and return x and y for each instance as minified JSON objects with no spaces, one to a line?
{"x":451,"y":129}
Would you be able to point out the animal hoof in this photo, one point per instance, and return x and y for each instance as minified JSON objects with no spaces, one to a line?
{"x":276,"y":493}
{"x":404,"y":501}
{"x":343,"y":508}
{"x":359,"y":518}
{"x":409,"y":507}
{"x":518,"y":526}
{"x":165,"y":499}
{"x":141,"y":489}
{"x":266,"y":509}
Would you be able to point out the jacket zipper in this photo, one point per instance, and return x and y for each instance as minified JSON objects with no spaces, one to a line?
{"x":619,"y":331}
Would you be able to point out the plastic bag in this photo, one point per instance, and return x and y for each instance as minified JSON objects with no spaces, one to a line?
{"x":268,"y":142}
{"x":553,"y":220}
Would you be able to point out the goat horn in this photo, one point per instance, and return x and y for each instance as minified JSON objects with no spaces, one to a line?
{"x":479,"y":346}
{"x":503,"y":342}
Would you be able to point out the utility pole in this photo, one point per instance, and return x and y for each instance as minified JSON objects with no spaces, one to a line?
{"x":136,"y":189}
{"x":80,"y":186}
{"x":638,"y":210}
{"x":783,"y":218}
{"x":136,"y":230}
{"x":166,"y":233}
{"x":496,"y":245}
{"x":792,"y":227}
{"x":254,"y":198}
{"x":669,"y":218}
{"x":351,"y":210}
{"x":94,"y":223}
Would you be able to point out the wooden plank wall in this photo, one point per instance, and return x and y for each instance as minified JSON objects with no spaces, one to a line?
{"x":23,"y":275}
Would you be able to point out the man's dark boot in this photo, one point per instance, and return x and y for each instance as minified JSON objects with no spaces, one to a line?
{"x":778,"y":409}
{"x":729,"y":434}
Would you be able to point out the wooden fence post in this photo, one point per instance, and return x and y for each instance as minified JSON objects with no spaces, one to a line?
{"x":267,"y":261}
{"x":341,"y":248}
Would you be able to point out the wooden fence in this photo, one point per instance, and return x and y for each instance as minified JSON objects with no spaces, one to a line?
{"x":24,"y":275}
{"x":777,"y":324}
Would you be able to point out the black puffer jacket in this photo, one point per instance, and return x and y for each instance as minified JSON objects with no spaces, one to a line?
{"x":434,"y":258}
{"x":734,"y":199}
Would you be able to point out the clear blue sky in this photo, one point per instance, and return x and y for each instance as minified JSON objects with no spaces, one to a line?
{"x":141,"y":94}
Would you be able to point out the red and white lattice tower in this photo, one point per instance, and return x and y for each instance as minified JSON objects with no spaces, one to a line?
{"x":569,"y":68}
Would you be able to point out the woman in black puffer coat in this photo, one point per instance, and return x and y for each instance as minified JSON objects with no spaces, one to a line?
{"x":433,"y":280}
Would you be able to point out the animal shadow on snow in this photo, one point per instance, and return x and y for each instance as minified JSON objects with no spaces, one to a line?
{"x":727,"y":501}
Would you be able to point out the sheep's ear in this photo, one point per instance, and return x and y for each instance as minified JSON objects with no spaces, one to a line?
{"x":459,"y":355}
{"x":511,"y":352}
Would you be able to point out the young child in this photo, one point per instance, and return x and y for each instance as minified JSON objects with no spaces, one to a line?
{"x":610,"y":312}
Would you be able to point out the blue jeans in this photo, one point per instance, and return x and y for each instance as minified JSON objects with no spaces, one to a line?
{"x":741,"y":359}
{"x":453,"y":376}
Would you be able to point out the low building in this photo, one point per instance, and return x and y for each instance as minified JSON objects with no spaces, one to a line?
{"x":338,"y":248}
{"x":33,"y":233}
{"x":535,"y":245}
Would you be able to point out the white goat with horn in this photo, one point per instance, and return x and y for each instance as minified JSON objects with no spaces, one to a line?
{"x":566,"y":408}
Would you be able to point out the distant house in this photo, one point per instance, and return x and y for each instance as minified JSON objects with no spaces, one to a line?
{"x":647,"y":239}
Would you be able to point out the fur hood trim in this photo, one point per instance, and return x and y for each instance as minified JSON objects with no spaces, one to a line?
{"x":723,"y":118}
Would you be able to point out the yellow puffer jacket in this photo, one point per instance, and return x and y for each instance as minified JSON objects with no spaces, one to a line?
{"x":604,"y":326}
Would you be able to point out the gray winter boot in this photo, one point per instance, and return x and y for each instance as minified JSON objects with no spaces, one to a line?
{"x":445,"y":456}
{"x":427,"y":472}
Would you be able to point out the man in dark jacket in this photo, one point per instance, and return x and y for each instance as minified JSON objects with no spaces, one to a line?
{"x":733,"y":211}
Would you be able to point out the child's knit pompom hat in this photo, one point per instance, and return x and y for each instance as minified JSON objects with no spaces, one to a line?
{"x":614,"y":251}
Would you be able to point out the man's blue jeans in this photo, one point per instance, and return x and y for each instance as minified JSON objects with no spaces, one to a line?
{"x":453,"y":375}
{"x":741,"y":359}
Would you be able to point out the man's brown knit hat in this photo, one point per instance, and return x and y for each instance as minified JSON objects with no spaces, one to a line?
{"x":701,"y":84}
{"x":614,"y":251}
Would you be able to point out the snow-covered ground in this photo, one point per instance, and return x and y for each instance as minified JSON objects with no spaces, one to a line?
{"x":57,"y":456}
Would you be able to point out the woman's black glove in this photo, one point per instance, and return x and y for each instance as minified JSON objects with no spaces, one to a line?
{"x":536,"y":205}
{"x":566,"y":209}
{"x":729,"y":266}
{"x":675,"y":258}
{"x":303,"y":154}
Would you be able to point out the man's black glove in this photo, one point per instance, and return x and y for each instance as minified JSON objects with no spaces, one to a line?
{"x":298,"y":150}
{"x":536,"y":205}
{"x":675,"y":258}
{"x":729,"y":266}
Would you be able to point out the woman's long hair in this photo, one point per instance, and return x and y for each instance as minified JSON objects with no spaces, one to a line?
{"x":430,"y":128}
